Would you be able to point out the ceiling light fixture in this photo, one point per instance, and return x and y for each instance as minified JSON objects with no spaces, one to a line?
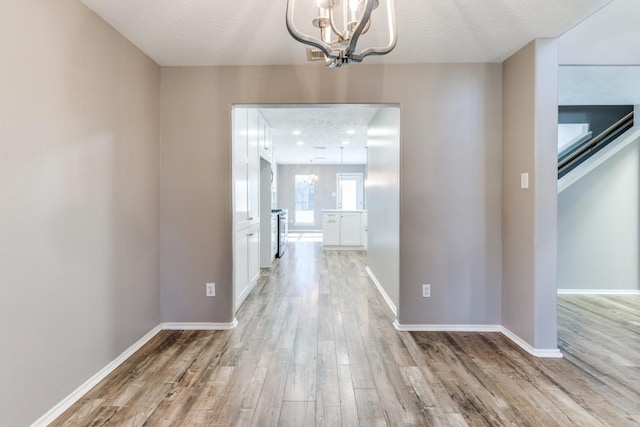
{"x":311,"y":179}
{"x":351,"y":132}
{"x":337,"y":43}
{"x":300,"y":143}
{"x":345,"y":142}
{"x":296,"y":132}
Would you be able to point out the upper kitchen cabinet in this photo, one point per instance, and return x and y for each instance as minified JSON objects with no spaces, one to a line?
{"x":246,"y":168}
{"x":264,"y":138}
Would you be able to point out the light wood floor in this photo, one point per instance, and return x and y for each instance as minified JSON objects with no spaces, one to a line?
{"x":316,"y":346}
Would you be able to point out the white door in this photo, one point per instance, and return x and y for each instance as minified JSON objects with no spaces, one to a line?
{"x":350,"y":229}
{"x":350,"y":191}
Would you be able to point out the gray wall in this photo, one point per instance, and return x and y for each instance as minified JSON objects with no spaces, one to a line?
{"x":450,"y":223}
{"x":383,"y":201}
{"x":598,"y":229}
{"x":530,"y":215}
{"x":79,"y":196}
{"x":325,"y":189}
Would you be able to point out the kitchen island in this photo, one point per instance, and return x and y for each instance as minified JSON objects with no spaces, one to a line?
{"x":344,"y":229}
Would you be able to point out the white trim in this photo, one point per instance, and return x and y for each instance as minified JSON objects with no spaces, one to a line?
{"x":200,"y":326}
{"x":243,"y":295}
{"x":77,"y":394}
{"x":543,"y":353}
{"x":598,"y":291}
{"x":552,"y":353}
{"x":384,"y":294}
{"x":447,"y":328}
{"x":342,"y":248}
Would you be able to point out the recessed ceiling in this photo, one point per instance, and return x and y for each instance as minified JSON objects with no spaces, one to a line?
{"x":301,"y":135}
{"x":252,"y":32}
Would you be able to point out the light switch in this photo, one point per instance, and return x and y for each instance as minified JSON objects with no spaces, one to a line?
{"x":524,"y":180}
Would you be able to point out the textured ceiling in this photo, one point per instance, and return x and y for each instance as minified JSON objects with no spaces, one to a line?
{"x":611,"y":36}
{"x":323,"y":130}
{"x":252,"y":32}
{"x":599,"y":85}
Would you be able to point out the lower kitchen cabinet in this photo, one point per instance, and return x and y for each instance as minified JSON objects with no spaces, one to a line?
{"x":247,"y":256}
{"x":342,"y":229}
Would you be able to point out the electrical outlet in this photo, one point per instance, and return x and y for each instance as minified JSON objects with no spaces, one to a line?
{"x":426,"y":291}
{"x":211,"y":289}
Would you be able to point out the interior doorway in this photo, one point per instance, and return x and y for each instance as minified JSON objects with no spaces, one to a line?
{"x":312,"y":159}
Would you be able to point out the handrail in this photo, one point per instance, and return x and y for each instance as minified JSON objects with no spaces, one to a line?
{"x":620,"y":124}
{"x":566,"y":151}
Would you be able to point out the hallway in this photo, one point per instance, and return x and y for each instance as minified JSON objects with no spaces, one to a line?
{"x":315,"y":345}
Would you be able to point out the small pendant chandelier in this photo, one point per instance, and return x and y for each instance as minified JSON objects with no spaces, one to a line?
{"x":337,"y":43}
{"x":311,"y":179}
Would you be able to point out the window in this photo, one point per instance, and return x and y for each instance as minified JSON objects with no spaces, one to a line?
{"x":305,"y":200}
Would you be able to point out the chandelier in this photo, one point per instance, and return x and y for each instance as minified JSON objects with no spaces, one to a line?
{"x":337,"y":41}
{"x":311,"y":179}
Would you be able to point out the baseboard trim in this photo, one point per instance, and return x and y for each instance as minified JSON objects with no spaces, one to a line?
{"x":541,"y":353}
{"x":552,"y":353}
{"x":447,"y":328}
{"x":203,"y":326}
{"x":384,"y":294}
{"x":342,"y":248}
{"x":598,"y":291}
{"x":77,"y":394}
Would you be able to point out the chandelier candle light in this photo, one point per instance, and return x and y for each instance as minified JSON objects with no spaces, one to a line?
{"x":337,"y":43}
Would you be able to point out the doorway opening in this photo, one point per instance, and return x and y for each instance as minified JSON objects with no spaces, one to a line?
{"x":332,"y":171}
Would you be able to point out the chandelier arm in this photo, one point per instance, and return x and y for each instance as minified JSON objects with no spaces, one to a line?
{"x":311,"y":41}
{"x":361,"y":24}
{"x":393,"y":37}
{"x":333,"y":25}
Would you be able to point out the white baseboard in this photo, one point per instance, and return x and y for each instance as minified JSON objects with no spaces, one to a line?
{"x":598,"y":291}
{"x":447,"y":328}
{"x":542,"y":353}
{"x":200,"y":326}
{"x":342,"y":248}
{"x":552,"y":353}
{"x":384,"y":294}
{"x":76,"y":395}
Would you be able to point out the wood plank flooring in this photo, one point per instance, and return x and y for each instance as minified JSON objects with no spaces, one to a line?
{"x":316,"y":346}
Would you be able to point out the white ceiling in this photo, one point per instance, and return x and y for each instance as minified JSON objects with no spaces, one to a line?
{"x":252,"y":32}
{"x":323,"y":130}
{"x":610,"y":37}
{"x":599,"y":85}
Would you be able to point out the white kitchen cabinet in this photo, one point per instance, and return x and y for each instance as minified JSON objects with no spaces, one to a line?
{"x":253,"y":137}
{"x":331,"y":229}
{"x":247,"y":262}
{"x":350,"y":229}
{"x":365,"y":230}
{"x":247,"y":123}
{"x":264,"y":138}
{"x":342,"y":229}
{"x":246,"y":168}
